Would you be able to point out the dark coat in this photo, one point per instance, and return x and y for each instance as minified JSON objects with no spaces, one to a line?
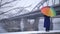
{"x":46,"y":21}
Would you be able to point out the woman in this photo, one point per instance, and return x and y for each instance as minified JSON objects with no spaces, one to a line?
{"x":47,"y":22}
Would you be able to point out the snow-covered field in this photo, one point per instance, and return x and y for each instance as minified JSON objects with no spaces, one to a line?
{"x":32,"y":32}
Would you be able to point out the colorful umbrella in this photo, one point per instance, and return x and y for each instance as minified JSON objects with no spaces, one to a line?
{"x":48,"y":11}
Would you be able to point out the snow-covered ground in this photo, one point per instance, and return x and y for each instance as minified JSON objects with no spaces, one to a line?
{"x":32,"y":32}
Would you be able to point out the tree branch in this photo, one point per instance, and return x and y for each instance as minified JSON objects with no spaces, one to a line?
{"x":21,"y":8}
{"x":8,"y":2}
{"x":6,"y":7}
{"x":40,"y":4}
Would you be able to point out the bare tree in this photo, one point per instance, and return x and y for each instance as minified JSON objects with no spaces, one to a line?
{"x":6,"y":7}
{"x":0,"y":3}
{"x":21,"y":8}
{"x":40,"y":4}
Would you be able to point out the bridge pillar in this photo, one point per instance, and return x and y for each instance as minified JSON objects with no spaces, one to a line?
{"x":30,"y":27}
{"x":51,"y":24}
{"x":22,"y":24}
{"x":35,"y":25}
{"x":26,"y":25}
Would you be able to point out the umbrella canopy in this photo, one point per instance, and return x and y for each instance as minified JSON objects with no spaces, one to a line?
{"x":48,"y":11}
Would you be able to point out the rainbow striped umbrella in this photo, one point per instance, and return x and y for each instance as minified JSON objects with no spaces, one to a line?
{"x":48,"y":11}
